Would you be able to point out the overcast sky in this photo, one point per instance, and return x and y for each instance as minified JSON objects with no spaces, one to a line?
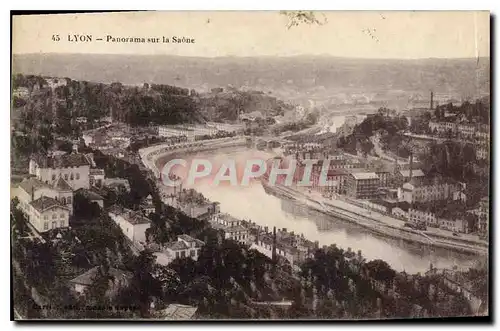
{"x":345,"y":34}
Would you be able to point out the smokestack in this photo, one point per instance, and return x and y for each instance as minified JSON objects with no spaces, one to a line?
{"x":432,"y":100}
{"x":274,"y":245}
{"x":411,"y":166}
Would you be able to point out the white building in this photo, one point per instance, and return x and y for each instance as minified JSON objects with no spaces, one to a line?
{"x":47,"y":214}
{"x":231,"y":227}
{"x":453,"y":224}
{"x":185,"y":246}
{"x":482,"y":152}
{"x":74,"y":168}
{"x":21,"y":92}
{"x":400,"y":213}
{"x":32,"y":189}
{"x":443,"y":127}
{"x":132,"y":224}
{"x":417,"y":216}
{"x":96,"y":177}
{"x":467,"y":130}
{"x":419,"y":192}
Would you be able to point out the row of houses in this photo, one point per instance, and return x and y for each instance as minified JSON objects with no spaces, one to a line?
{"x":467,"y":130}
{"x":427,"y":191}
{"x":456,"y":223}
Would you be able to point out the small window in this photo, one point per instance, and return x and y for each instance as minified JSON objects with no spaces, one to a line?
{"x":45,"y":217}
{"x":46,"y":225}
{"x":69,"y":200}
{"x":192,"y":253}
{"x":62,"y":224}
{"x":177,"y":254}
{"x":54,"y":177}
{"x":71,"y":177}
{"x":183,"y":254}
{"x":66,"y":176}
{"x":77,"y":175}
{"x":61,"y":216}
{"x":54,"y":216}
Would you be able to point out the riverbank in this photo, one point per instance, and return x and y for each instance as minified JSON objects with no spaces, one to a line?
{"x":371,"y":221}
{"x":350,"y":213}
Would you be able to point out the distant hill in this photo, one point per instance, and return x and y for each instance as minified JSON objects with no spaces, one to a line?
{"x":321,"y":75}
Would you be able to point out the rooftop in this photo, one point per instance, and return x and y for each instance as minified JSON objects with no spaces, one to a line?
{"x":177,"y":245}
{"x":136,"y":218}
{"x":228,"y":218}
{"x":62,"y":185}
{"x":219,"y":226}
{"x":89,"y":276}
{"x":43,"y":203}
{"x":89,"y":194}
{"x":336,"y":172}
{"x":179,"y":312}
{"x":364,"y":175}
{"x":187,"y":238}
{"x":61,"y":161}
{"x":32,"y":184}
{"x":131,"y":216}
{"x":96,"y":171}
{"x":415,"y":173}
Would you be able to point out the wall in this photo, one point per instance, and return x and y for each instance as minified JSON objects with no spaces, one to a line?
{"x":38,"y":220}
{"x":140,"y":232}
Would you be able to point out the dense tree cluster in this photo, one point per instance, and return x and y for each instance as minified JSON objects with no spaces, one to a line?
{"x":380,"y":123}
{"x":222,"y":105}
{"x":477,"y":112}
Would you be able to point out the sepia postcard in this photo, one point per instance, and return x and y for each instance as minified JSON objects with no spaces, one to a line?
{"x":250,"y":165}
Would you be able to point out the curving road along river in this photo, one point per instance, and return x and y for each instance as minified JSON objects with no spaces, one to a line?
{"x":253,"y":203}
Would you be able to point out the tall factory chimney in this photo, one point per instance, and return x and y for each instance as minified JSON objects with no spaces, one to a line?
{"x":411,"y":165}
{"x":432,"y":100}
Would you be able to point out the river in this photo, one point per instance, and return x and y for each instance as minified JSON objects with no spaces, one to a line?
{"x":253,"y":203}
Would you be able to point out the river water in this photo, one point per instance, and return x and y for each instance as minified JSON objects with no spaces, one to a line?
{"x":253,"y":203}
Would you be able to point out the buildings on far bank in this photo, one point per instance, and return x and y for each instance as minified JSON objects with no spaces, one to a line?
{"x":428,"y":191}
{"x":231,"y":227}
{"x":362,"y":185}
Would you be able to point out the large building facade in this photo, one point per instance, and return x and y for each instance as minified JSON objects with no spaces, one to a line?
{"x":362,"y":185}
{"x":419,"y":192}
{"x":74,"y":168}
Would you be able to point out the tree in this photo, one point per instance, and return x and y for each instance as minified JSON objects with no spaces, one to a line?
{"x":144,"y":286}
{"x":380,"y":270}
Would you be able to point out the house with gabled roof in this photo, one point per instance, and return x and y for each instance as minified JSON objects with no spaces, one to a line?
{"x":32,"y":188}
{"x":117,"y":279}
{"x":46,"y":214}
{"x":185,"y":246}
